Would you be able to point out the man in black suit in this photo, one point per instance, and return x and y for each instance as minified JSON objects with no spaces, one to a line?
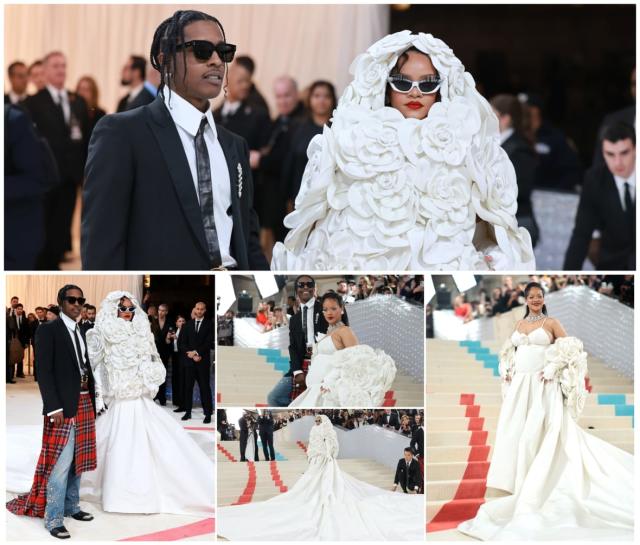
{"x":18,"y":79}
{"x":134,"y":73}
{"x":29,"y":171}
{"x":197,"y":342}
{"x":170,"y":157}
{"x":160,"y":329}
{"x":61,"y":118}
{"x":41,"y":315}
{"x":23,"y":334}
{"x":303,"y":328}
{"x":67,"y":389}
{"x":244,"y":426}
{"x":90,"y":321}
{"x":391,"y":419}
{"x":607,"y":203}
{"x":408,"y":474}
{"x":417,"y":437}
{"x":265,"y":428}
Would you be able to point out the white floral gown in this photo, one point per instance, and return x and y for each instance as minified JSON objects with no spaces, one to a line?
{"x":384,"y":192}
{"x":565,"y":483}
{"x":358,"y":376}
{"x":326,"y":504}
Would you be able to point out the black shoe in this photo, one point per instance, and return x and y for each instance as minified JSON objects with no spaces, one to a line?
{"x":11,"y":381}
{"x":179,"y":410}
{"x":207,"y":419}
{"x":60,"y":532}
{"x":187,"y":416}
{"x":20,"y":376}
{"x":83,"y":516}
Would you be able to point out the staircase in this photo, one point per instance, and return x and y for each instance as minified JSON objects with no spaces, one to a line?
{"x":462,"y":408}
{"x":247,"y":375}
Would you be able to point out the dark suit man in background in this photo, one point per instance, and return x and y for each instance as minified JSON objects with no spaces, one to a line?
{"x":417,"y":437}
{"x":197,"y":342}
{"x":265,"y":429}
{"x":18,"y":79}
{"x":90,"y":321}
{"x":160,"y":329}
{"x":173,"y":159}
{"x":134,"y":73}
{"x":608,"y":204}
{"x":408,"y":474}
{"x":61,"y":118}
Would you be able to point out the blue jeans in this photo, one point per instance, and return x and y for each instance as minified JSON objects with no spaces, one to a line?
{"x":280,"y":396}
{"x":63,"y":488}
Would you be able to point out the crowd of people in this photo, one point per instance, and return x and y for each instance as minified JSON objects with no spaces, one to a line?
{"x":182,"y":375}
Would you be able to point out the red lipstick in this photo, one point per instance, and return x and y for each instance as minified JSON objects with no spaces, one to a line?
{"x":414,"y":105}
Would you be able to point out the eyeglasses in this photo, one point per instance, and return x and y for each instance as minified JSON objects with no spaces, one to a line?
{"x":73,"y":300}
{"x":203,"y":49}
{"x":122,"y":308}
{"x":310,"y":284}
{"x":426,"y":86}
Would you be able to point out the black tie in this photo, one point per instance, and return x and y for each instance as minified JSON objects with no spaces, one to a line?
{"x":81,"y":360}
{"x":61,"y":108}
{"x":205,"y":191}
{"x":304,"y":324}
{"x":197,"y":326}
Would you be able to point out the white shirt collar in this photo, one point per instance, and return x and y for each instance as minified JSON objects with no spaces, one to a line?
{"x":186,"y":115}
{"x":504,"y":136}
{"x":136,"y":91}
{"x":55,"y":94}
{"x":15,"y":98}
{"x":310,"y":303}
{"x":69,"y":322}
{"x":631,"y":179}
{"x":230,"y":108}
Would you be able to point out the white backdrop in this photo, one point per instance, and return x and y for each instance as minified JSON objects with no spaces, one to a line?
{"x":306,"y":41}
{"x":42,"y":290}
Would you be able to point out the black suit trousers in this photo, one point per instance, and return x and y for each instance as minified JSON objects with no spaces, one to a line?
{"x":200,"y":373}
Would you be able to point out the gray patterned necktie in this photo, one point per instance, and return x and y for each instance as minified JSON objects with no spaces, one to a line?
{"x":205,"y":191}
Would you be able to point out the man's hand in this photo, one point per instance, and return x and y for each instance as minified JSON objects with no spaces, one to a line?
{"x":191,"y":354}
{"x":197,"y":359}
{"x":57,"y":419}
{"x":254,"y":159}
{"x":299,"y":379}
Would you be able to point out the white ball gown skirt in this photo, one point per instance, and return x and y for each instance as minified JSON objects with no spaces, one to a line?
{"x":565,"y":484}
{"x":147,"y":463}
{"x":327,"y":504}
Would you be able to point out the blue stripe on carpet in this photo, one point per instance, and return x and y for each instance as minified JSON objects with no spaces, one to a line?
{"x":275,"y":358}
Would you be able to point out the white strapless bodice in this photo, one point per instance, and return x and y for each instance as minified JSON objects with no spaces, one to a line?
{"x":324,"y":346}
{"x":530,"y":348}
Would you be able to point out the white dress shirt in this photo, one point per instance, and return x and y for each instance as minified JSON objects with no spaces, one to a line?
{"x":187,"y":119}
{"x":71,"y":326}
{"x":175,"y":341}
{"x":505,"y":135}
{"x":230,"y":108}
{"x":632,"y":188}
{"x":15,"y":99}
{"x":59,"y":95}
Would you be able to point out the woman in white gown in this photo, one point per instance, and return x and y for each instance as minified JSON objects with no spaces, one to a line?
{"x":147,"y":463}
{"x":564,"y":483}
{"x":326,"y":504}
{"x":410,"y":175}
{"x":344,"y":373}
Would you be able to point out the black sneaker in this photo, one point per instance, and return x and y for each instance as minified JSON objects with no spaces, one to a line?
{"x":60,"y":532}
{"x":83,"y":516}
{"x":207,"y":419}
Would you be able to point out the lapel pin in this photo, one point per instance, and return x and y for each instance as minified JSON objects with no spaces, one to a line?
{"x":239,"y":181}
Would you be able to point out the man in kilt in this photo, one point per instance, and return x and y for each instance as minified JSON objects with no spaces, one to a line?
{"x":69,"y":436}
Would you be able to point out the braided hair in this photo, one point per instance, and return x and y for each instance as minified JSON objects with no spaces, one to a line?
{"x":167,"y":36}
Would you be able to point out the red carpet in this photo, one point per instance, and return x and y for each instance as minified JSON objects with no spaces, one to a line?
{"x":246,"y":496}
{"x":275,"y":476}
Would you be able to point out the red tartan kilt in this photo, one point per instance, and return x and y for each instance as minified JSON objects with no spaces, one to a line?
{"x":54,"y":439}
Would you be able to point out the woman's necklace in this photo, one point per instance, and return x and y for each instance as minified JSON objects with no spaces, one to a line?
{"x":333,"y":327}
{"x":535,"y":317}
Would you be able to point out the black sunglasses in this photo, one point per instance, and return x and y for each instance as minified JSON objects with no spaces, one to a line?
{"x":73,"y":300}
{"x":310,"y":284}
{"x":203,"y":49}
{"x":122,"y":308}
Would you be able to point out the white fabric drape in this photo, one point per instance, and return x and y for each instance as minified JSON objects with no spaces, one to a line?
{"x":307,"y":42}
{"x":42,"y":290}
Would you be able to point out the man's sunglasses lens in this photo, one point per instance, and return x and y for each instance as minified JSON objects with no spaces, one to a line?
{"x":306,"y":284}
{"x":203,"y":50}
{"x":73,"y":300}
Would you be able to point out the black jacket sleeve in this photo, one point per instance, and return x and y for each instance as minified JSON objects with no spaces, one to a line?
{"x":586,"y":222}
{"x":45,"y":347}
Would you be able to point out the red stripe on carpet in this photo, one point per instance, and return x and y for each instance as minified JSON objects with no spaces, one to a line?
{"x":219,"y":397}
{"x":389,"y":400}
{"x":275,"y":475}
{"x":301,"y":445}
{"x":470,"y":493}
{"x":250,"y":488}
{"x":194,"y":428}
{"x":262,"y":405}
{"x":200,"y":528}
{"x":226,"y":452}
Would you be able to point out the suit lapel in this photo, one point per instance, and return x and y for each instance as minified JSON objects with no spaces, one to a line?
{"x":170,"y":144}
{"x":238,"y":246}
{"x":67,"y":341}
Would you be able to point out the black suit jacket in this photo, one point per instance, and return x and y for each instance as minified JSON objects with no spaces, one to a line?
{"x":137,"y":166}
{"x":297,"y":337}
{"x":70,"y":155}
{"x":202,"y":342}
{"x":160,"y":335}
{"x":86,"y":326}
{"x":414,"y":476}
{"x":523,"y":157}
{"x":58,"y":373}
{"x":601,"y":208}
{"x":265,"y":424}
{"x":143,"y":98}
{"x":417,"y":441}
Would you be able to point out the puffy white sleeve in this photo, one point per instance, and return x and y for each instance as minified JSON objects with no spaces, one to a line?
{"x":360,"y":376}
{"x":566,"y":363}
{"x":97,"y":352}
